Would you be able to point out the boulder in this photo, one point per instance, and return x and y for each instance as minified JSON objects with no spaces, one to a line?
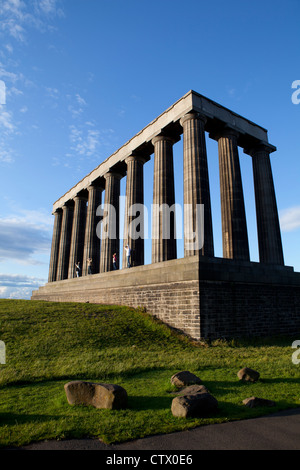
{"x":253,"y":402}
{"x":98,"y":395}
{"x":248,"y":375}
{"x":192,"y":389}
{"x":194,"y":405}
{"x":184,"y":378}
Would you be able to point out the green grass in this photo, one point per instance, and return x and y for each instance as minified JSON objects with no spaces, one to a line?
{"x":49,"y":344}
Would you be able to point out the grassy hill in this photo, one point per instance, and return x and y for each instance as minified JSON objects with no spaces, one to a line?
{"x":49,"y":344}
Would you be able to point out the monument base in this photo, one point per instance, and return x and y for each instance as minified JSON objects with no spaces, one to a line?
{"x":206,"y":298}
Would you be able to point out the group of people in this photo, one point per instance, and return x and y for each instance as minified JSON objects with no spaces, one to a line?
{"x":114,"y":260}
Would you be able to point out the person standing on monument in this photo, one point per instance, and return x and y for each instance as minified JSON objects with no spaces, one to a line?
{"x":89,"y":263}
{"x":77,"y":269}
{"x":128,"y":254}
{"x":115,"y":261}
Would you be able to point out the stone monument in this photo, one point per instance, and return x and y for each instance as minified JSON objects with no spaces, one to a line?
{"x":202,"y":295}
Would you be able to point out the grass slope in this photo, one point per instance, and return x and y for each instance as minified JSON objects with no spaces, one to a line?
{"x":49,"y":344}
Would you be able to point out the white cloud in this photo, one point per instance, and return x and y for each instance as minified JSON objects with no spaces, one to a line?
{"x":18,"y":286}
{"x":9,"y":48}
{"x":47,"y":6}
{"x":84,"y":141}
{"x":290,"y":219}
{"x":6,"y":121}
{"x":17,"y":16}
{"x":80,"y":100}
{"x":7,"y":129}
{"x":25,"y":237}
{"x":6,"y":155}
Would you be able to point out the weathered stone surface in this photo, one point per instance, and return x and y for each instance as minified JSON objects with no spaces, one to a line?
{"x":192,"y":389}
{"x":98,"y":395}
{"x":184,"y":378}
{"x":253,"y":402}
{"x":194,"y":405}
{"x":248,"y":375}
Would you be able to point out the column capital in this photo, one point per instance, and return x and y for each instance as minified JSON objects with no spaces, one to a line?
{"x":113,"y":174}
{"x":260,"y":147}
{"x":80,"y":198}
{"x":68,"y":205}
{"x":162,"y":137}
{"x":93,"y":187}
{"x":58,"y":210}
{"x":226,"y":131}
{"x":136,"y":158}
{"x":193,"y":116}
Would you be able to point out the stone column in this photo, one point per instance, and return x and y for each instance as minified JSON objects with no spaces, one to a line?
{"x":234,"y":227}
{"x":196,"y":187}
{"x":134,"y":195}
{"x":78,"y":232}
{"x":110,"y":229}
{"x":91,"y":240}
{"x":163,"y":224}
{"x":65,"y":241}
{"x":55,"y":245}
{"x":268,"y":228}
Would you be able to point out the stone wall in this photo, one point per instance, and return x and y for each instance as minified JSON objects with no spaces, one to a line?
{"x":230,"y":309}
{"x":168,"y":290}
{"x":211,"y":298}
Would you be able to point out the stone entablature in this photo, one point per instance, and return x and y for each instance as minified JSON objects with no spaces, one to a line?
{"x":217,"y":115}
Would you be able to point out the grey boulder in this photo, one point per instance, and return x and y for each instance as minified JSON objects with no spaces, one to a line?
{"x":184,"y":378}
{"x":98,"y":395}
{"x":194,"y":405}
{"x":248,"y":375}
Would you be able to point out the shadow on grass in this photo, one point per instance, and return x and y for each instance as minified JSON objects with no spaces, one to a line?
{"x":107,"y":377}
{"x":226,"y":386}
{"x":12,"y":419}
{"x":139,"y":403}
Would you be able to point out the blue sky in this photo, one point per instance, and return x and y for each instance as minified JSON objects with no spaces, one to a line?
{"x":83,"y":76}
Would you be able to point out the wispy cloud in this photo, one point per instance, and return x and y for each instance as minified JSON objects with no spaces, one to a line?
{"x":17,"y":286}
{"x":7,"y":128}
{"x":84,"y":141}
{"x":290,"y":219}
{"x":17,"y":16}
{"x":26,"y":236}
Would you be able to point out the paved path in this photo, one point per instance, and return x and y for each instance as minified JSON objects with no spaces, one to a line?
{"x":279,"y":431}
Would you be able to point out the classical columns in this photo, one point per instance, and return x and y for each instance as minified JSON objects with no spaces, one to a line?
{"x":163,"y":228}
{"x":78,"y":231}
{"x":268,"y":229}
{"x":55,"y":245}
{"x":110,"y":229}
{"x":91,"y":240}
{"x":134,"y":211}
{"x":64,"y":244}
{"x":234,"y":227}
{"x":196,"y":187}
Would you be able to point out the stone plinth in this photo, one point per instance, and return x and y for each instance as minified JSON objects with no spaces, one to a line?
{"x":210,"y":298}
